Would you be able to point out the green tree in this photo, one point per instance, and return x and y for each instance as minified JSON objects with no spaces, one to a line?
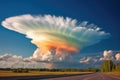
{"x":117,"y":68}
{"x":107,"y":66}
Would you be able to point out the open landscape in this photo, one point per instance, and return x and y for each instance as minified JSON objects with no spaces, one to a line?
{"x":58,"y":74}
{"x":46,"y":75}
{"x":6,"y":75}
{"x":59,"y":39}
{"x":38,"y":73}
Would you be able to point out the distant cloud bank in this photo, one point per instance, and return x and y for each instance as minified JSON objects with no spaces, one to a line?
{"x":14,"y":61}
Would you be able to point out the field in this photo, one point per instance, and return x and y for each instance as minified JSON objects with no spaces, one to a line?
{"x":37,"y":73}
{"x":113,"y":73}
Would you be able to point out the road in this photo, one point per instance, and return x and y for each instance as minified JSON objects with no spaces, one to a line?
{"x":95,"y":76}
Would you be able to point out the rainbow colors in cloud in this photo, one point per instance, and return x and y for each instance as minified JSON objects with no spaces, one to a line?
{"x":55,"y":37}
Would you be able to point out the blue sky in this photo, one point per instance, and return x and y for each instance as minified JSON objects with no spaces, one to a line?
{"x":104,"y":13}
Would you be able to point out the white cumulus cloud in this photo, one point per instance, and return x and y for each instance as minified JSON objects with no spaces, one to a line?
{"x":117,"y":56}
{"x":107,"y":55}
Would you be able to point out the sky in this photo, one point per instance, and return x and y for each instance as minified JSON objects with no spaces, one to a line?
{"x":105,"y":14}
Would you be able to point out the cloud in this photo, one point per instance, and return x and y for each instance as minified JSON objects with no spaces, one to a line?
{"x":8,"y":60}
{"x":117,"y":56}
{"x":97,"y":60}
{"x":88,"y":60}
{"x":52,"y":56}
{"x":13,"y":61}
{"x":56,"y":38}
{"x":9,"y":57}
{"x":107,"y":55}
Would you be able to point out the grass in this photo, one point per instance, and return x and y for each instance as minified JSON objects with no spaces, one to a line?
{"x":113,"y":73}
{"x":37,"y":73}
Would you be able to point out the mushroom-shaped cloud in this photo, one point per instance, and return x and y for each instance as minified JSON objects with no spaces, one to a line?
{"x":55,"y":37}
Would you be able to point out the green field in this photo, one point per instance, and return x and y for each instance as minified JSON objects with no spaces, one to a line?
{"x":37,"y":73}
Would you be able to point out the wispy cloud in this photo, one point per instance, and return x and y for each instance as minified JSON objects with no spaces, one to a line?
{"x":88,"y":60}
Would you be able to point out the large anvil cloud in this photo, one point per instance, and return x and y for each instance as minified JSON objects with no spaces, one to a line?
{"x":55,"y":37}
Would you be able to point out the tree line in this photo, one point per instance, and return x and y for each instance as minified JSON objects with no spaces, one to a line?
{"x":109,"y":66}
{"x":26,"y":70}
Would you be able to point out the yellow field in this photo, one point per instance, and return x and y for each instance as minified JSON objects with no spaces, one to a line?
{"x":37,"y":73}
{"x":113,"y":73}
